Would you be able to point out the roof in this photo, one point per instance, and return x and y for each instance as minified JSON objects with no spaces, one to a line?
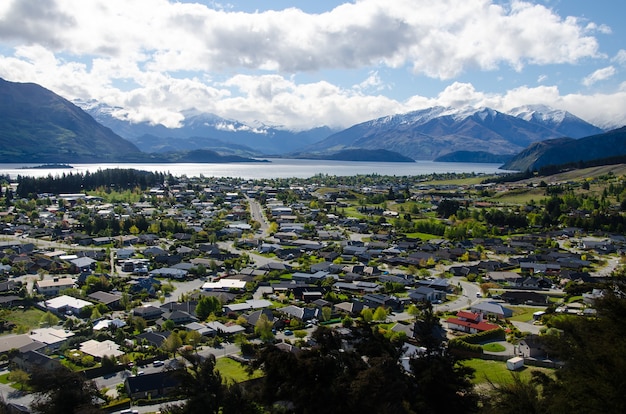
{"x":66,"y":301}
{"x":64,"y":281}
{"x":8,"y":342}
{"x":480,"y":326}
{"x":100,"y":349}
{"x":105,"y":297}
{"x":105,"y":323}
{"x":50,"y":336}
{"x":248,"y":305}
{"x":154,"y":381}
{"x":224,"y":284}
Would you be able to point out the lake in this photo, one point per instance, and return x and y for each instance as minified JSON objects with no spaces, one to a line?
{"x":277,"y":168}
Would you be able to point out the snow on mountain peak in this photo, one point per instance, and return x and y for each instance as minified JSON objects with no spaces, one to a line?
{"x":542,"y":113}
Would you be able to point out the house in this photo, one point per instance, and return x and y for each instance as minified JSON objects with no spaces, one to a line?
{"x":491,"y":309}
{"x":225,"y":285}
{"x":374,"y":300}
{"x":155,"y":339}
{"x":66,"y":305}
{"x":309,"y":277}
{"x":526,"y":298}
{"x":222,"y":329}
{"x":470,"y":323}
{"x":169,"y":272}
{"x":155,"y":385}
{"x":423,"y":294}
{"x":148,"y":284}
{"x":52,"y":287}
{"x":352,"y":308}
{"x":106,"y":323}
{"x":247,"y":305}
{"x":178,"y":317}
{"x":148,"y":313}
{"x":22,"y":343}
{"x":30,"y":360}
{"x":112,"y":300}
{"x":53,"y":338}
{"x":99,"y":349}
{"x":303,"y":314}
{"x":531,"y":347}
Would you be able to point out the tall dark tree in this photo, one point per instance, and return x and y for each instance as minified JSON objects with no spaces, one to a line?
{"x":61,"y":391}
{"x":593,"y":378}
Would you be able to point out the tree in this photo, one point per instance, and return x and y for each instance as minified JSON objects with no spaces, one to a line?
{"x":172,"y":343}
{"x":61,"y":391}
{"x":263,"y":328}
{"x":594,"y":352}
{"x":206,"y":306}
{"x":49,"y":319}
{"x":206,"y":391}
{"x":19,"y":376}
{"x":380,"y":314}
{"x":326,"y":313}
{"x":367,"y":315}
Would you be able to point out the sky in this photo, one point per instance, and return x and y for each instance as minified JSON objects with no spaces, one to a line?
{"x":305,"y":64}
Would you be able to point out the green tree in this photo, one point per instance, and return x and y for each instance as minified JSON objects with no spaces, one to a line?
{"x":49,"y":319}
{"x":367,"y":315}
{"x":206,"y":306}
{"x":263,"y":328}
{"x":380,"y":314}
{"x":326,"y":313}
{"x":172,"y":343}
{"x":20,"y":376}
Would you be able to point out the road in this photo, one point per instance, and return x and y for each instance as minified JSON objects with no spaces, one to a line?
{"x":256,"y":211}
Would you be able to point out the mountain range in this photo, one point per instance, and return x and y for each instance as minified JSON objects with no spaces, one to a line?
{"x":37,"y":125}
{"x":201,"y":130}
{"x":431,"y":133}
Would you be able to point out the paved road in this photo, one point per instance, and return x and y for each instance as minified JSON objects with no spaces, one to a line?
{"x":256,"y":211}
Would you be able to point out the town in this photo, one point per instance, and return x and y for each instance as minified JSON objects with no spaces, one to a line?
{"x":129,"y":282}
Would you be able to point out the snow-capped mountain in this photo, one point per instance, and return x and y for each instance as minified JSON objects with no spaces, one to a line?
{"x":430,"y":133}
{"x":200,"y":130}
{"x":564,"y":122}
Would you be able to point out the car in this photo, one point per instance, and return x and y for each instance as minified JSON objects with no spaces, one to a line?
{"x":288,"y":332}
{"x":158,"y":363}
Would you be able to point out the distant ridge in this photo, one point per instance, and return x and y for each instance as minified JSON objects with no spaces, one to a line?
{"x":36,"y":125}
{"x":607,"y":148}
{"x":378,"y":155}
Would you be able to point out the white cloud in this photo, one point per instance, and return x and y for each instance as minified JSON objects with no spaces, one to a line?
{"x":440,"y":39}
{"x":620,"y":57}
{"x":156,"y":58}
{"x":599,"y":75}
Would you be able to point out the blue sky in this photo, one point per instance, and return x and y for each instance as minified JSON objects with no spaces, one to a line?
{"x":303,"y":64}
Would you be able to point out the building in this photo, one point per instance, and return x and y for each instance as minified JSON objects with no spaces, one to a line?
{"x":52,"y":287}
{"x":470,"y":323}
{"x":64,"y":305}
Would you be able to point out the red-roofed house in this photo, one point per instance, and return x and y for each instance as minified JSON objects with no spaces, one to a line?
{"x":470,"y":322}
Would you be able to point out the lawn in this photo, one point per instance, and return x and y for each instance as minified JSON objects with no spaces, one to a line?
{"x":496,"y":372}
{"x":523,"y":313}
{"x":24,"y":318}
{"x":233,"y":371}
{"x":494,"y":347}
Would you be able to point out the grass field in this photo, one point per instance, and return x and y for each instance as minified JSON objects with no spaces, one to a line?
{"x":28,"y":318}
{"x":496,"y":372}
{"x":523,"y":313}
{"x":233,"y":371}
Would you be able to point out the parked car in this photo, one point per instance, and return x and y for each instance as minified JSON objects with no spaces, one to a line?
{"x":158,"y":363}
{"x":288,"y":332}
